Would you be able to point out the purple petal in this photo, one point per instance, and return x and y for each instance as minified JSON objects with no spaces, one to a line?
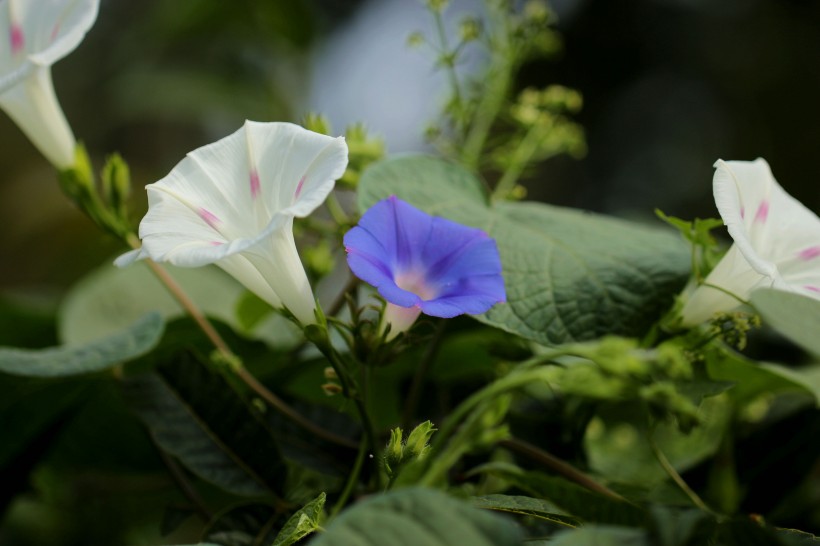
{"x":401,"y":230}
{"x":460,"y":265}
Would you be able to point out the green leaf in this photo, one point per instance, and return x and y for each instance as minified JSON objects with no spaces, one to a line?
{"x":526,"y":506}
{"x":243,"y":525}
{"x":616,"y":444}
{"x":251,"y":310}
{"x":751,"y":379}
{"x":305,"y":521}
{"x":139,"y":338}
{"x":795,"y":316}
{"x":569,"y":275}
{"x":418,"y":517}
{"x":601,"y":535}
{"x":110,"y":298}
{"x":572,"y":498}
{"x":196,"y":416}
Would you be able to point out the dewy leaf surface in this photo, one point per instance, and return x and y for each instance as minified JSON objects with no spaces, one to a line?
{"x":94,"y":356}
{"x":569,"y":275}
{"x":418,"y":517}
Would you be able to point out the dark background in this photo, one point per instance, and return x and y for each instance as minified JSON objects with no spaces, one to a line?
{"x":669,"y":87}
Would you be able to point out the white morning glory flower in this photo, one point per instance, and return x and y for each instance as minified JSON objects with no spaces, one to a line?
{"x":38,"y":33}
{"x":776,"y":241}
{"x":232,"y":203}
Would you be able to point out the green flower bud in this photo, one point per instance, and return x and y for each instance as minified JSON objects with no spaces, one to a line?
{"x":418,"y":440}
{"x":394,"y":453}
{"x":416,"y":39}
{"x":437,"y":5}
{"x":469,"y":29}
{"x":317,"y":123}
{"x":116,"y":184}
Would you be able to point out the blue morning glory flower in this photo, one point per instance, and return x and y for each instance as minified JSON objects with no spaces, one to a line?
{"x":424,"y":264}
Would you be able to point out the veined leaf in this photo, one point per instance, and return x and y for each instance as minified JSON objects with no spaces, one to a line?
{"x":526,"y":506}
{"x":418,"y":517}
{"x":569,"y":275}
{"x":305,"y":521}
{"x":196,"y":416}
{"x":94,"y":356}
{"x":572,"y":499}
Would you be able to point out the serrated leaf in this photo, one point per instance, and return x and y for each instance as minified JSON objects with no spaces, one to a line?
{"x":305,"y":521}
{"x":569,"y":275}
{"x":526,"y":506}
{"x":100,"y":354}
{"x":196,"y":416}
{"x":418,"y":517}
{"x":795,"y":316}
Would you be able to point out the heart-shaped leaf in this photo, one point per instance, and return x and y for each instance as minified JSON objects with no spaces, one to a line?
{"x":569,"y":275}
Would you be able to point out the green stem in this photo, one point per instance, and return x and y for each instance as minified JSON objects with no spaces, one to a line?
{"x":510,"y":382}
{"x":557,"y":465}
{"x":498,"y":82}
{"x":352,"y":479}
{"x":236,"y":365}
{"x":421,"y":372}
{"x":349,"y":388}
{"x":448,"y":60}
{"x":336,"y":211}
{"x":677,"y":478}
{"x":519,"y":161}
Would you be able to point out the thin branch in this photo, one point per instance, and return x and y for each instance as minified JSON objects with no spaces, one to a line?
{"x":421,"y":372}
{"x":282,"y":407}
{"x":557,"y":465}
{"x":196,"y":314}
{"x":677,"y":478}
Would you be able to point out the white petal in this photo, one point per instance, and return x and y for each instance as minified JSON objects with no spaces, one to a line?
{"x":732,"y":275}
{"x":277,"y":259}
{"x":130,"y":257}
{"x":33,"y":106}
{"x":57,"y":26}
{"x":776,"y":241}
{"x":297,"y":168}
{"x":233,"y":202}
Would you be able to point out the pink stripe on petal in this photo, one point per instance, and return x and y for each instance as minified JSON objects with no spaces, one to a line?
{"x":762,"y":212}
{"x":255,"y":185}
{"x":217,"y":243}
{"x":812,"y":288}
{"x":742,"y":212}
{"x":54,"y":32}
{"x":210,"y":218}
{"x":299,"y":187}
{"x":17,"y":39}
{"x":809,"y":253}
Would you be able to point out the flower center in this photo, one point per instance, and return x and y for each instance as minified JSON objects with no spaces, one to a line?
{"x":414,"y":281}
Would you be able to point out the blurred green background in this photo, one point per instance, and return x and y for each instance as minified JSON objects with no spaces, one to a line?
{"x":669,"y":87}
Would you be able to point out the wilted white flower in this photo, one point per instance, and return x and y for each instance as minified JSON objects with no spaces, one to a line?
{"x":776,"y":241}
{"x":38,"y":33}
{"x":232,"y":203}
